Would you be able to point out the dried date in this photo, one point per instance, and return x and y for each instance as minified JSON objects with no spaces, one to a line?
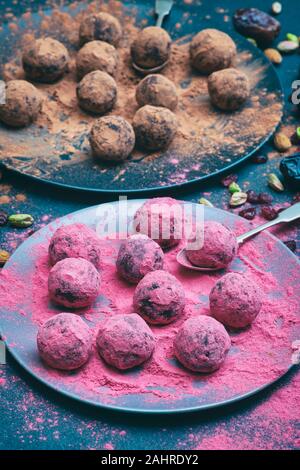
{"x":256,"y":24}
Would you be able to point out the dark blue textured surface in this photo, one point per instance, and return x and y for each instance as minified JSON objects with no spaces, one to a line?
{"x":32,"y":416}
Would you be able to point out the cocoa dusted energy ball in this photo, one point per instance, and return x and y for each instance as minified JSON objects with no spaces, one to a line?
{"x":65,"y":341}
{"x":75,"y":241}
{"x":155,"y":127}
{"x":112,"y":138}
{"x":151,"y":48}
{"x":73,"y":283}
{"x":162,"y":219}
{"x":97,"y":55}
{"x":202,"y":344}
{"x":235,"y":300}
{"x":125,"y":341}
{"x":138,"y":255}
{"x":100,"y":26}
{"x":159,"y":298}
{"x":157,"y":90}
{"x":22,"y":104}
{"x":212,"y":50}
{"x":97,"y":92}
{"x":45,"y":60}
{"x":228,"y":89}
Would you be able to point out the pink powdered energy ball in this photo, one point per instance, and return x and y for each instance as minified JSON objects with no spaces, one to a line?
{"x":161,"y":219}
{"x":125,"y":341}
{"x":159,"y":298}
{"x":138,"y":255}
{"x":64,"y":341}
{"x":201,"y":344}
{"x":75,"y":241}
{"x":74,"y":283}
{"x":235,"y":300}
{"x":219,"y":247}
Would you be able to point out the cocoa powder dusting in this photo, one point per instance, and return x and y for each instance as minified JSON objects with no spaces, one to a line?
{"x":62,"y":128}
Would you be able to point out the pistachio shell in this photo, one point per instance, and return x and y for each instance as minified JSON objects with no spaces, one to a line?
{"x":282,"y":142}
{"x":287,"y":46}
{"x":275,"y":183}
{"x":238,"y":199}
{"x":20,"y":220}
{"x":276,"y":8}
{"x":205,"y":202}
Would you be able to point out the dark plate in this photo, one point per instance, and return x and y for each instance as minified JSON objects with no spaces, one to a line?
{"x":36,"y":153}
{"x":20,"y":332}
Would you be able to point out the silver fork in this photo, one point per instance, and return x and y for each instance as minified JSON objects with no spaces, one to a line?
{"x":162,"y":9}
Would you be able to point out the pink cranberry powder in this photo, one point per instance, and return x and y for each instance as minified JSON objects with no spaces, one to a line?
{"x":75,"y":241}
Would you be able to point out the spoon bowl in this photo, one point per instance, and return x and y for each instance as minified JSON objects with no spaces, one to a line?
{"x":149,"y":71}
{"x":183,"y":260}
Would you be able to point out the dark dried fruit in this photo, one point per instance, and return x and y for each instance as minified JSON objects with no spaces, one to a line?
{"x":249,"y":213}
{"x":268,"y":212}
{"x":291,"y":244}
{"x":265,"y":198}
{"x":295,"y":139}
{"x":290,"y":168}
{"x":256,"y":24}
{"x":296,"y":198}
{"x":228,"y":180}
{"x":3,"y":218}
{"x":253,"y":197}
{"x":260,"y":158}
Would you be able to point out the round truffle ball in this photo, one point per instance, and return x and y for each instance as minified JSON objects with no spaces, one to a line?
{"x":155,"y":127}
{"x":97,"y":92}
{"x":157,"y":90}
{"x":73,"y":283}
{"x":201,"y":344}
{"x":64,"y":341}
{"x":97,"y":55}
{"x":112,"y":138}
{"x":212,"y":50}
{"x":125,"y":341}
{"x":75,"y":241}
{"x":228,"y":89}
{"x":22,"y":104}
{"x":45,"y":60}
{"x":138,"y":255}
{"x":151,"y":48}
{"x":100,"y":26}
{"x":235,"y":300}
{"x":161,"y":218}
{"x":159,"y":298}
{"x":218,"y":249}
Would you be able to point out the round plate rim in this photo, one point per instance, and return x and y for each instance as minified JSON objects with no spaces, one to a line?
{"x":117,"y":408}
{"x":170,"y":187}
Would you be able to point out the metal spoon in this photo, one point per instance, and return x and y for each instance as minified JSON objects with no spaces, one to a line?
{"x":162,"y":9}
{"x":288,"y":215}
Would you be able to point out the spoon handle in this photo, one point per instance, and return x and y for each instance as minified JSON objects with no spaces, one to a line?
{"x":162,"y":9}
{"x":288,"y":215}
